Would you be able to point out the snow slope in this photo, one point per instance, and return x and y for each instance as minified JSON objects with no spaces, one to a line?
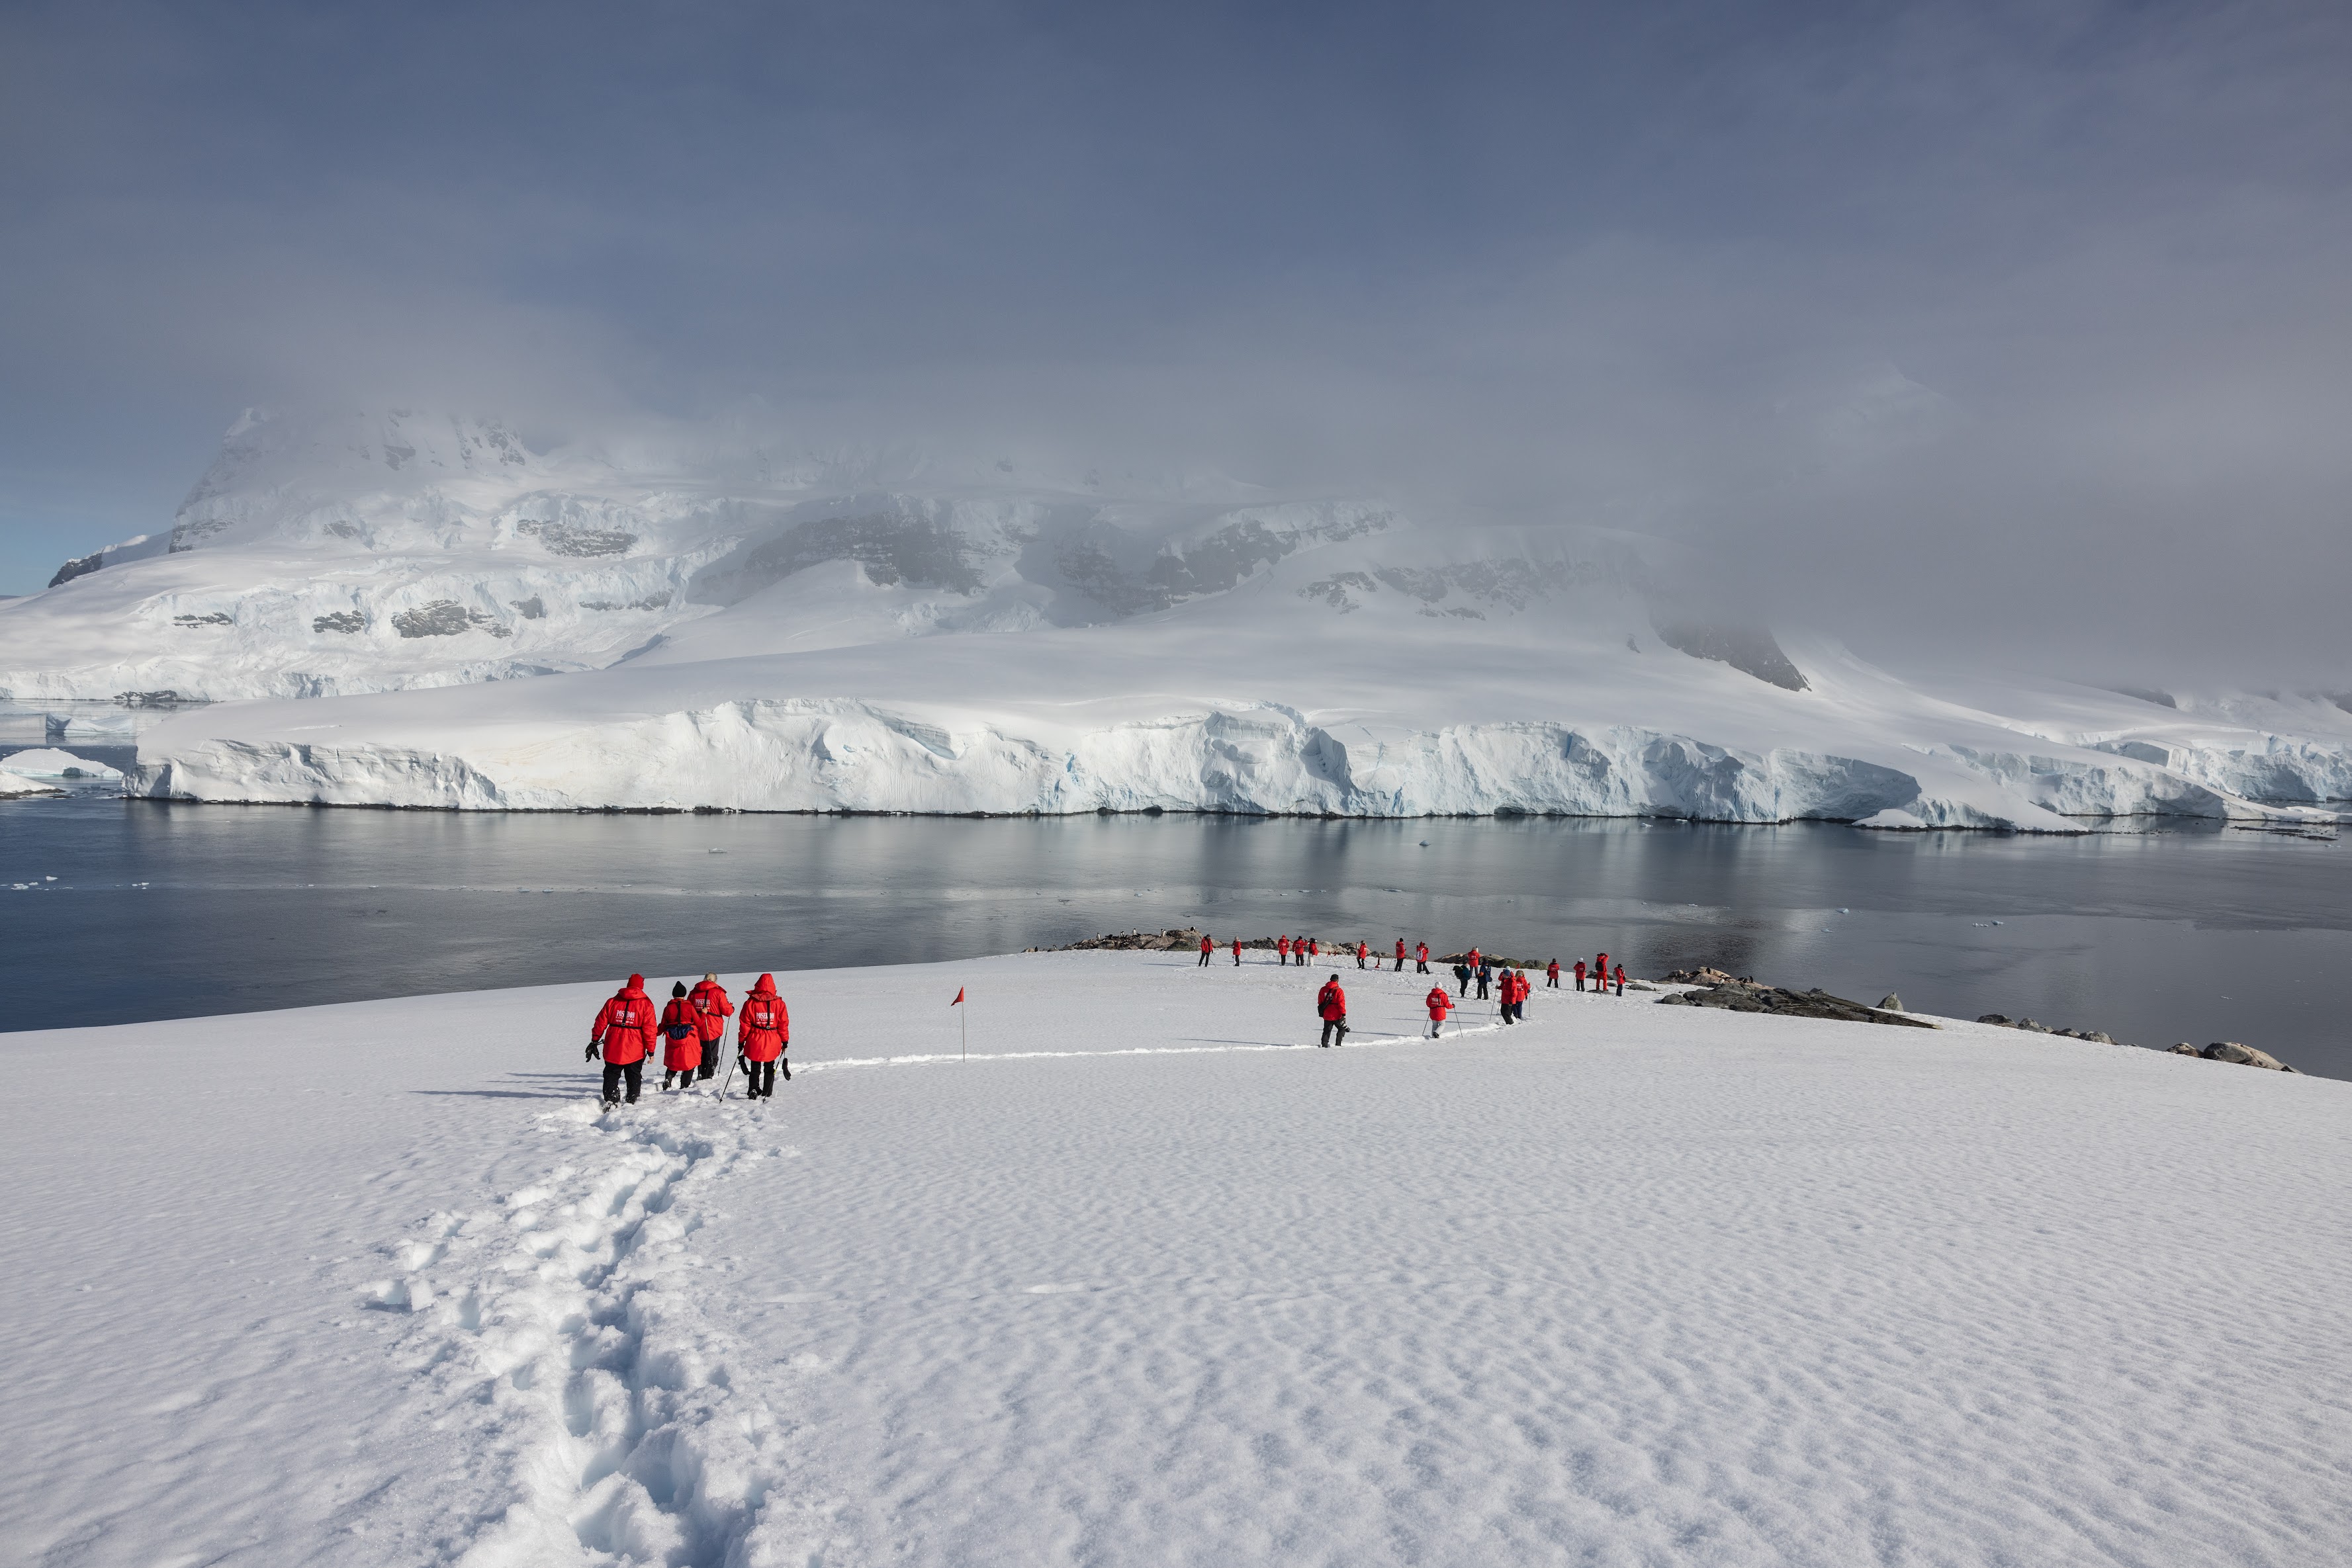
{"x":716,"y":628}
{"x":1146,"y":1280}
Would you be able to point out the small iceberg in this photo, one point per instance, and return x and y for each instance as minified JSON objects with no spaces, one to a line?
{"x":48,"y":762}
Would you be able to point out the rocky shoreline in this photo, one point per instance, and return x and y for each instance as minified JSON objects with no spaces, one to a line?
{"x":1701,"y":987}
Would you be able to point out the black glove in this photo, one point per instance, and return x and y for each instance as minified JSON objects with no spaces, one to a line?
{"x":592,"y":1051}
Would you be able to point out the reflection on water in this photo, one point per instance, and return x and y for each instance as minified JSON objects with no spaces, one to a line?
{"x":2197,"y":933}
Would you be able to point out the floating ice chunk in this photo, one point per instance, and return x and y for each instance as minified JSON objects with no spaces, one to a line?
{"x":48,"y":762}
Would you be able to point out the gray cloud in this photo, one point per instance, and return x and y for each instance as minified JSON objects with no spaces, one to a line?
{"x":2022,"y":333}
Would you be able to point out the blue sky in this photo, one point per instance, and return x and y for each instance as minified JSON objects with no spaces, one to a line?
{"x":1655,"y":264}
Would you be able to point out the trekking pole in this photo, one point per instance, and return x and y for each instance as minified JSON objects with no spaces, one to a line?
{"x":730,"y":1076}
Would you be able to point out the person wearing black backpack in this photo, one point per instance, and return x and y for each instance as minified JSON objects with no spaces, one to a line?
{"x":681,"y":1032}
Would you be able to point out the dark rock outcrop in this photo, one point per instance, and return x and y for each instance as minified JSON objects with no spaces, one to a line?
{"x":1745,"y":996}
{"x":2243,"y":1055}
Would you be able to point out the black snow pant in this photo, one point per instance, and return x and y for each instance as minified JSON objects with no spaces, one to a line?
{"x":710,"y":1060}
{"x":1204,"y":958}
{"x":1482,"y":988}
{"x":1420,"y":967}
{"x":1464,"y":982}
{"x":1621,"y":987}
{"x":1237,"y":958}
{"x":1335,"y":1031}
{"x":760,"y":1079}
{"x":1360,"y":960}
{"x":615,"y":1071}
{"x":1400,"y":968}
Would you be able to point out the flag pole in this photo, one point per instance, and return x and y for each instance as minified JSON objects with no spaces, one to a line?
{"x":963,"y":1026}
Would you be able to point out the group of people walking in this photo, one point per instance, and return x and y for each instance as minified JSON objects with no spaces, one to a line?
{"x":1298,"y":950}
{"x":689,"y":1031}
{"x":1509,"y":988}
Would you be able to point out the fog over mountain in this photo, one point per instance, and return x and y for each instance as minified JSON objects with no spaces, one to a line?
{"x":2016,"y":339}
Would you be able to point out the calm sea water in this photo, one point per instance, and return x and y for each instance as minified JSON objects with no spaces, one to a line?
{"x":161,"y":911}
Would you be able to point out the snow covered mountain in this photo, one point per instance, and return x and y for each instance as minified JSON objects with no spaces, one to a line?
{"x":718,"y":628}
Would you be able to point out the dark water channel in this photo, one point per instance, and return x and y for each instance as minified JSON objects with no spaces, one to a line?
{"x":159,"y":911}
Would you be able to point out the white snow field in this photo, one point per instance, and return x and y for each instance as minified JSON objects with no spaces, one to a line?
{"x":414,"y":610}
{"x":1149,"y":1280}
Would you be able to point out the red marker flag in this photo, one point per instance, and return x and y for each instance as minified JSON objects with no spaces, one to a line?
{"x":958,"y":996}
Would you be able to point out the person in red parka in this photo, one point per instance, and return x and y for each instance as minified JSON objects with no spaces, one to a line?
{"x":711,"y":1012}
{"x":1620,"y":979}
{"x":1551,"y":977}
{"x":624,"y":1035}
{"x":1439,"y":1004}
{"x":1507,"y":994}
{"x":681,"y":1033}
{"x":1332,"y":1005}
{"x":1601,"y":973}
{"x":762,"y":1037}
{"x":1282,"y":951}
{"x":1400,"y":968}
{"x":1237,"y":952}
{"x":1208,"y":946}
{"x":1580,"y":973}
{"x":1363,"y":952}
{"x":1421,"y":959}
{"x":1314,"y":947}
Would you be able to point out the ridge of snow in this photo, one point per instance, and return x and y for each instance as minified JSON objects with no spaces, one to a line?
{"x":1151,"y":1278}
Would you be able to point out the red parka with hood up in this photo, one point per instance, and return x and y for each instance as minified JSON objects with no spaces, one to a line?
{"x":625,"y":1024}
{"x":765,"y":1026}
{"x":712,"y":1011}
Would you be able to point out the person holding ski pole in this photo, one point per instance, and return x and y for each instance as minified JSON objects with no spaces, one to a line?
{"x":761,"y":1036}
{"x":1331,"y":1003}
{"x":711,"y":1012}
{"x":1439,"y":1004}
{"x":623,"y":1035}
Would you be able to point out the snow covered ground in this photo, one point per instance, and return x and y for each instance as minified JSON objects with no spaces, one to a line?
{"x":414,"y":610}
{"x":1148,"y":1280}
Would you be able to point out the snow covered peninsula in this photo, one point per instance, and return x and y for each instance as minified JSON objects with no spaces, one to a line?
{"x":413,"y":610}
{"x":1149,"y":1279}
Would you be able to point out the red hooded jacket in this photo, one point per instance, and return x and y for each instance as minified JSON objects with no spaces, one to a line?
{"x":1439,"y":1004}
{"x":765,"y":1028}
{"x":713,"y":1010}
{"x":624,"y":1024}
{"x":1331,"y":1002}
